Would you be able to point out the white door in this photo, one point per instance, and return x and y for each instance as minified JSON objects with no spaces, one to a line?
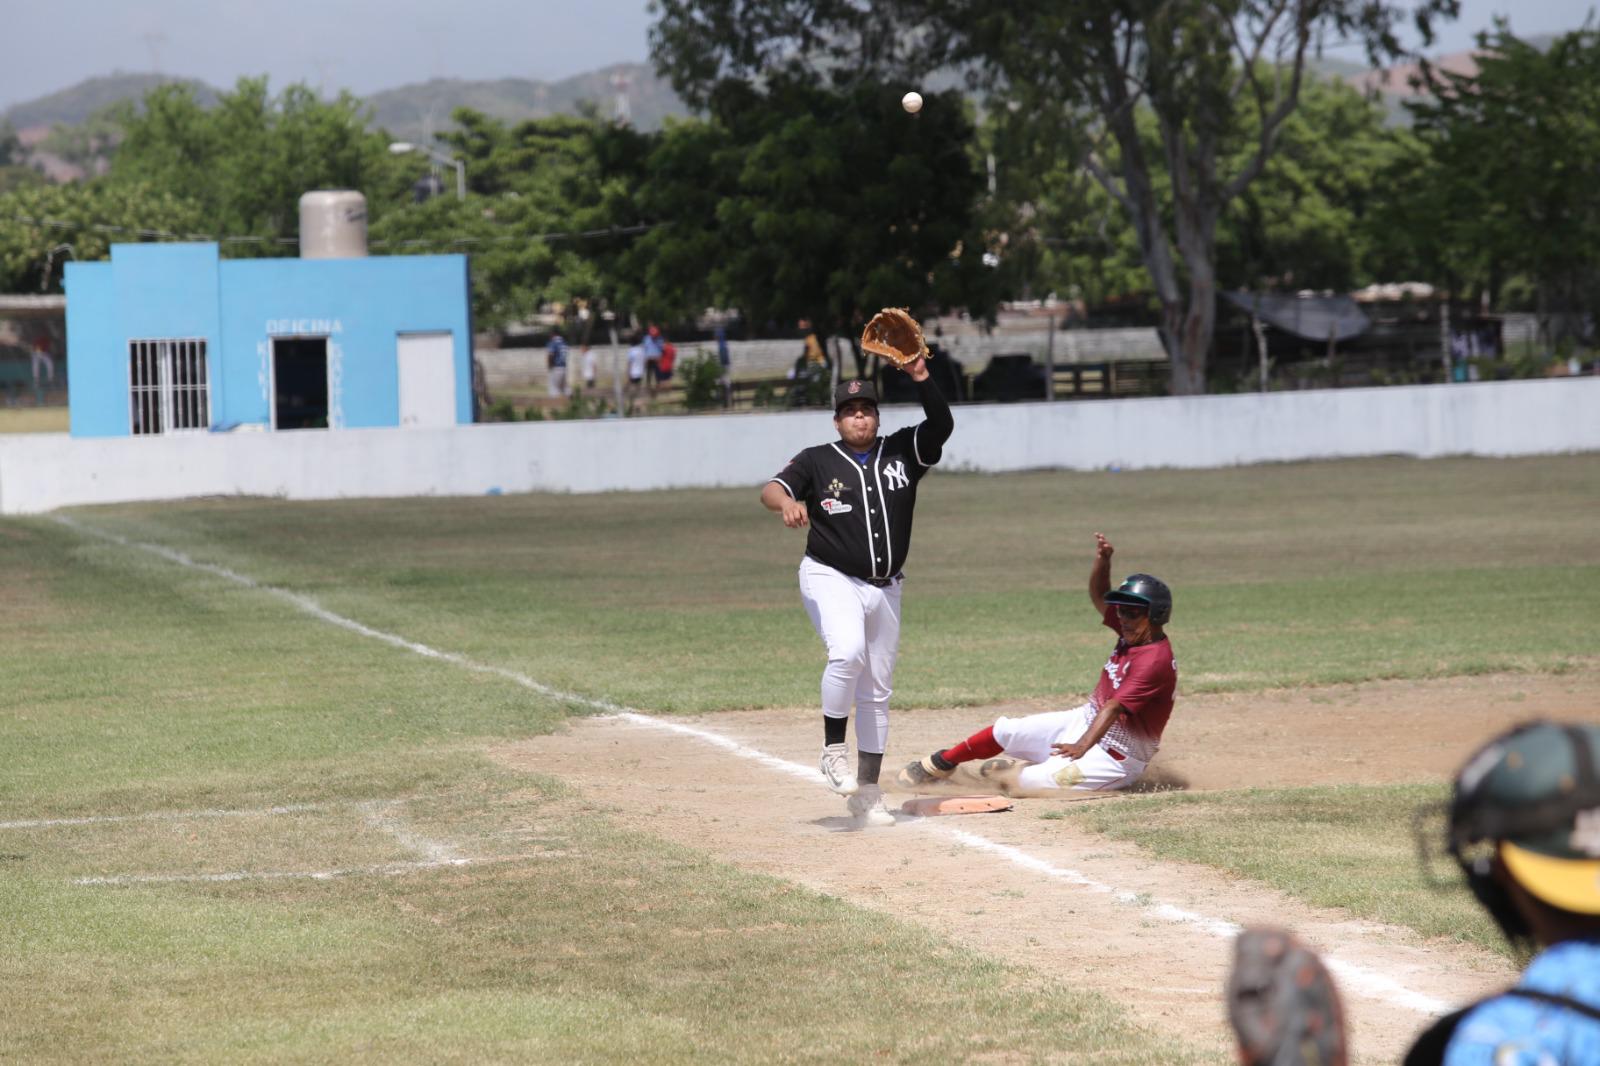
{"x":427,"y":379}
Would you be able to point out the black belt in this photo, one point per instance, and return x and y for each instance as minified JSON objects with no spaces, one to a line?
{"x":883,"y":582}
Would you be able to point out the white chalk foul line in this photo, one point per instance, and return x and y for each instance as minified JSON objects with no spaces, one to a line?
{"x":1356,"y":977}
{"x":380,"y":815}
{"x":316,"y":610}
{"x":811,"y":774}
{"x":392,"y":869}
{"x":1364,"y":981}
{"x":163,"y":816}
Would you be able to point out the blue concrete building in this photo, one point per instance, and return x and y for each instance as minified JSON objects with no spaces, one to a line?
{"x":172,"y":338}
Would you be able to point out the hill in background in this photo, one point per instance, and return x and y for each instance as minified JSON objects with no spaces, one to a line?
{"x":73,"y":105}
{"x":413,"y":112}
{"x":410,"y":111}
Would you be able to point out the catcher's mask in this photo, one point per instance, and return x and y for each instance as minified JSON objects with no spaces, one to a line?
{"x":1530,"y":797}
{"x":1144,"y":590}
{"x":854,"y":390}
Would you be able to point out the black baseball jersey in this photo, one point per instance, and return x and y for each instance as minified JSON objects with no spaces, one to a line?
{"x":860,"y":510}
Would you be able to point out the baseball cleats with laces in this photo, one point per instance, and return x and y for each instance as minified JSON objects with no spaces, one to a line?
{"x":920,"y":774}
{"x":836,"y":769}
{"x":867,"y":807}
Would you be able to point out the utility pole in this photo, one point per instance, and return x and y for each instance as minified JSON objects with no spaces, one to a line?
{"x":153,"y":40}
{"x":1444,"y":336}
{"x":1050,"y":360}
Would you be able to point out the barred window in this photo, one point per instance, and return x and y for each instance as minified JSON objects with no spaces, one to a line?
{"x":168,"y":386}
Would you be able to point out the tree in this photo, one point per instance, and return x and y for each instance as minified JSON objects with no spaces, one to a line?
{"x":796,"y":201}
{"x":90,"y":144}
{"x":1311,"y":220}
{"x":1506,"y":177}
{"x":1080,"y":69}
{"x":246,"y":161}
{"x":11,"y":151}
{"x":534,"y":186}
{"x":1314,"y":219}
{"x":42,"y":226}
{"x":15,"y":173}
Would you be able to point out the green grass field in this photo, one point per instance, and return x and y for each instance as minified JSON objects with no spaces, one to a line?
{"x":132,"y":687}
{"x":1349,"y":847}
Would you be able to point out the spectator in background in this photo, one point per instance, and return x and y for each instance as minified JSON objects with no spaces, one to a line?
{"x":588,"y":368}
{"x":814,"y":354}
{"x":652,"y":356}
{"x":669,"y":359}
{"x":812,"y":371}
{"x":44,"y":367}
{"x":636,"y":367}
{"x":556,"y":363}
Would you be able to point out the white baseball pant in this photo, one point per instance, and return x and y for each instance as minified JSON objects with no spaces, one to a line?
{"x":1030,"y":738}
{"x":860,"y":625}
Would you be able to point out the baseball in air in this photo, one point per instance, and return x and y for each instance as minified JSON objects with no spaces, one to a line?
{"x":912,"y":102}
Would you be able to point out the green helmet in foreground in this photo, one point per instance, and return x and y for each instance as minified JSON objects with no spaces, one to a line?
{"x":1535,"y":791}
{"x":1148,"y":591}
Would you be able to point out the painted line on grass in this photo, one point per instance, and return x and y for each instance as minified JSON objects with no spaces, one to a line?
{"x":380,"y":815}
{"x":164,"y":816}
{"x":316,"y":610}
{"x":392,"y":869}
{"x":1365,"y":981}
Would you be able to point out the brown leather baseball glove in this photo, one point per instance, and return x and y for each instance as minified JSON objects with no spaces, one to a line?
{"x":894,"y":335}
{"x":1282,"y":1002}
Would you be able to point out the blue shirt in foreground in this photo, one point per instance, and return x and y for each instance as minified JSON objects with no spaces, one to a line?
{"x":1511,"y":1031}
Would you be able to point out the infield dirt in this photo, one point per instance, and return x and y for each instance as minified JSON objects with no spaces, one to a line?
{"x":1168,"y":974}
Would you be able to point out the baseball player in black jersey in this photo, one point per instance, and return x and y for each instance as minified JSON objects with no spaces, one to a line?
{"x":857,"y":495}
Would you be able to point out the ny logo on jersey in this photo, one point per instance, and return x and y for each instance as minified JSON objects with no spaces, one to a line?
{"x":896,"y":473}
{"x":1117,"y":674}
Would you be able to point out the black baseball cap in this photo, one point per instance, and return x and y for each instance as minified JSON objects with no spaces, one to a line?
{"x":854,"y":390}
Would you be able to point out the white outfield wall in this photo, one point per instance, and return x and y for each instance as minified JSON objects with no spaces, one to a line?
{"x":41,"y":472}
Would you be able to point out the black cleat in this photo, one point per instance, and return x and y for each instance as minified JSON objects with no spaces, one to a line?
{"x":921,"y":773}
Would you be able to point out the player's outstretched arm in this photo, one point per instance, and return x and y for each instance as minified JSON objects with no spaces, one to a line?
{"x":1100,"y":572}
{"x":774,"y":498}
{"x":938,"y":423}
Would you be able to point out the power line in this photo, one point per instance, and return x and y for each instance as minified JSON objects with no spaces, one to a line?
{"x":605,"y":231}
{"x":157,"y":234}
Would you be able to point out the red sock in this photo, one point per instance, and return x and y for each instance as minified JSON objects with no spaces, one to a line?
{"x":980,"y":745}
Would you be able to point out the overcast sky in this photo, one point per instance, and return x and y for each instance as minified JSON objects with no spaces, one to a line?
{"x":367,"y":45}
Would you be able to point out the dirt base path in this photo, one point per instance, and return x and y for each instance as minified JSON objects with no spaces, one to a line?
{"x":1065,"y":902}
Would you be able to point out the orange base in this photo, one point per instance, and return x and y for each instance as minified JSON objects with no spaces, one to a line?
{"x":934,"y":805}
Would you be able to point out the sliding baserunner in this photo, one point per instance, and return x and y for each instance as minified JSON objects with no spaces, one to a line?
{"x":1107,"y":742}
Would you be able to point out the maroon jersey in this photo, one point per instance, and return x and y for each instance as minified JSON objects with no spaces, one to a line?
{"x":1142,"y":680}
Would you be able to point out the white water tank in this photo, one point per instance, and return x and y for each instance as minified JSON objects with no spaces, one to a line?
{"x":333,"y":224}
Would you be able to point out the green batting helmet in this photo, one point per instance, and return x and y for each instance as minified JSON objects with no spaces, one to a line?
{"x":1147,"y":591}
